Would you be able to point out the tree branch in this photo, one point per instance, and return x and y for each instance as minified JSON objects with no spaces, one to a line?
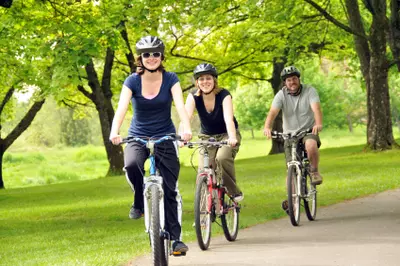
{"x":106,"y":79}
{"x":74,"y":102}
{"x":250,"y":78}
{"x":185,"y":56}
{"x":129,"y":56}
{"x":335,"y":21}
{"x":85,"y":92}
{"x":7,"y":98}
{"x":188,"y":88}
{"x":394,"y":62}
{"x":23,"y":124}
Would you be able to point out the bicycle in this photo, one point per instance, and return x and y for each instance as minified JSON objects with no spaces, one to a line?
{"x":154,"y":204}
{"x":212,"y":200}
{"x":299,"y":184}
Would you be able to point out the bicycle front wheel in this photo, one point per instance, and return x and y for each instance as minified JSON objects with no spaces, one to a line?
{"x":293,"y":195}
{"x":202,"y":212}
{"x":155,"y":237}
{"x":230,"y":218}
{"x":310,"y":200}
{"x":165,"y":247}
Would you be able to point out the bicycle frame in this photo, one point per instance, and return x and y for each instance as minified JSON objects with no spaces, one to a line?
{"x":298,"y":189}
{"x":154,"y":179}
{"x":296,"y":162}
{"x":296,"y":159}
{"x":212,"y":200}
{"x":214,"y":186}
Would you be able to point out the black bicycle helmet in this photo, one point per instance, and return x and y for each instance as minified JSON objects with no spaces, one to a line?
{"x":205,"y":68}
{"x":149,"y":44}
{"x":289,"y":71}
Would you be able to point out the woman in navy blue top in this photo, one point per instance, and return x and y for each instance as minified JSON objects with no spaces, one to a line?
{"x":151,"y":91}
{"x":215,"y":109}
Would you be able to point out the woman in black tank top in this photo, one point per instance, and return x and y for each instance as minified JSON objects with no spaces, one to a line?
{"x":215,"y":109}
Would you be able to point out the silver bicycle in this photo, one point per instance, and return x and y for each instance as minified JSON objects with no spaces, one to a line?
{"x":153,"y":192}
{"x":299,"y":186}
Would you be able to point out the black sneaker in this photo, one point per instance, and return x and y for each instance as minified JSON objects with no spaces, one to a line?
{"x":179,"y":248}
{"x":135,"y":213}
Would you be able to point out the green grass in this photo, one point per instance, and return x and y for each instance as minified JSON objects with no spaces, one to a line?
{"x":86,"y":222}
{"x":43,"y":166}
{"x":32,"y":166}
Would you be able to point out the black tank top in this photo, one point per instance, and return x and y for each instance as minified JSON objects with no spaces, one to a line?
{"x":213,"y":123}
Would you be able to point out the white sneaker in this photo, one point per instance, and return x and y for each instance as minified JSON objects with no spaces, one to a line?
{"x":238,"y":197}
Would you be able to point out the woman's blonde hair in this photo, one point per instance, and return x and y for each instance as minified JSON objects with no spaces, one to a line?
{"x":216,"y":88}
{"x":140,"y":69}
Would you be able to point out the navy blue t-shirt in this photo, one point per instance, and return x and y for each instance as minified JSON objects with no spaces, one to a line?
{"x":212,"y":123}
{"x":151,"y":117}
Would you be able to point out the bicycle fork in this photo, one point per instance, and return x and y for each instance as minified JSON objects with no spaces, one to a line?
{"x":148,"y":182}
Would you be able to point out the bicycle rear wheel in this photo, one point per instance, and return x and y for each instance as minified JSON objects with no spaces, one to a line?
{"x":310,"y":201}
{"x":230,"y":218}
{"x":293,"y":196}
{"x":155,"y":237}
{"x":202,"y":215}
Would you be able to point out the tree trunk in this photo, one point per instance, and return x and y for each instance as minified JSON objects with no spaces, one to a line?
{"x":379,"y":131}
{"x":350,"y":123}
{"x":374,"y":68}
{"x":1,"y":165}
{"x":101,"y":96}
{"x":276,"y":83}
{"x":252,"y":133}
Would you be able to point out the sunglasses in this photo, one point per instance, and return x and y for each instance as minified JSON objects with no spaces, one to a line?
{"x":155,"y":55}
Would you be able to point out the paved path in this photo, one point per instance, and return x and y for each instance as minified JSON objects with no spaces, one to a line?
{"x":364,"y":231}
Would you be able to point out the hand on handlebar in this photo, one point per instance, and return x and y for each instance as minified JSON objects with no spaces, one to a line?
{"x":267,"y":133}
{"x":115,"y":138}
{"x":232,"y":141}
{"x":186,"y":136}
{"x":316,"y":129}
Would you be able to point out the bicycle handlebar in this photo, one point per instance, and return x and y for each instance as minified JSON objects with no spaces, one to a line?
{"x":155,"y":140}
{"x":299,"y":134}
{"x":210,"y":142}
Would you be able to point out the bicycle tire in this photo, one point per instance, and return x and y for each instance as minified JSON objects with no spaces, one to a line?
{"x":164,"y":251}
{"x":293,"y":196}
{"x":310,"y":201}
{"x":202,"y":215}
{"x":155,"y":236}
{"x":230,"y":218}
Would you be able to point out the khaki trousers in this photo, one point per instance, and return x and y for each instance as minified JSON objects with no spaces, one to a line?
{"x":222,"y":160}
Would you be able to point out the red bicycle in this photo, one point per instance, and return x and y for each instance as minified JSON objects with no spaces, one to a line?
{"x":212,"y":200}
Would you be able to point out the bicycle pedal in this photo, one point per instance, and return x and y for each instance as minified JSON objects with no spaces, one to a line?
{"x":178,"y":253}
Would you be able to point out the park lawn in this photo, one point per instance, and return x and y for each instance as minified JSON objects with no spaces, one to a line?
{"x":31,"y":166}
{"x":86,"y":222}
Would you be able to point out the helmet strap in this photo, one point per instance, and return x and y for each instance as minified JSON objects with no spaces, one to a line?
{"x":296,"y":93}
{"x":208,"y":93}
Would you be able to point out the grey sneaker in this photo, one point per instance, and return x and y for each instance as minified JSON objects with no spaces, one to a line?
{"x":135,"y":213}
{"x":316,"y":178}
{"x":179,"y":248}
